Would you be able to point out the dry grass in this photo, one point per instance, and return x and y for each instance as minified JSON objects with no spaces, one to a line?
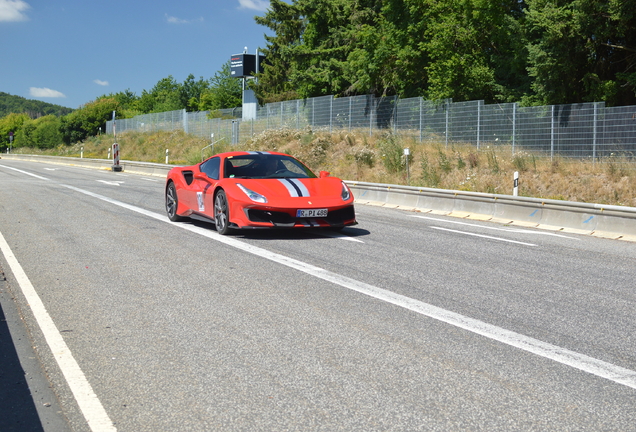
{"x":379,"y":159}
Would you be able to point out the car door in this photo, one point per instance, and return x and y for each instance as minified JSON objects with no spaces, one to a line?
{"x":204,"y":182}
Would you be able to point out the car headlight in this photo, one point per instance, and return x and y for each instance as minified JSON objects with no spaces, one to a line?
{"x":346,"y":194}
{"x":254,"y":196}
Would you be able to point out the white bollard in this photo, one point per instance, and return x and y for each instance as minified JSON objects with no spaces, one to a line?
{"x":515,"y":189}
{"x":166,"y":156}
{"x":407,"y":152}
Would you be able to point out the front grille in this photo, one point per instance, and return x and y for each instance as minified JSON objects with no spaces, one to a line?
{"x":334,"y":218}
{"x":277,"y":218}
{"x":339,"y":217}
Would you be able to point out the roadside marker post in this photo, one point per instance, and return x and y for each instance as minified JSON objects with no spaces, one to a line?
{"x":407,"y":153}
{"x":515,"y":189}
{"x":116,"y":167}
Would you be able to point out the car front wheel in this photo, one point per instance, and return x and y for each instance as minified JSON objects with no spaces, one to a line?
{"x":172,"y":202}
{"x":221,"y":213}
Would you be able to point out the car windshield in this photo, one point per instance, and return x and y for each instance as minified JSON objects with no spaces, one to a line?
{"x":263,"y":165}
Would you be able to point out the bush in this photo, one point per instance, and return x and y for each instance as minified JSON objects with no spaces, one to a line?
{"x":391,"y":152}
{"x":430,"y":177}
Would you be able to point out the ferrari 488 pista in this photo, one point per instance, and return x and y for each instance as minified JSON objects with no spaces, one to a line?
{"x":238,"y":190}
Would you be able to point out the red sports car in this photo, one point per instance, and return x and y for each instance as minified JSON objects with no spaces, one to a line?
{"x":239,"y":190}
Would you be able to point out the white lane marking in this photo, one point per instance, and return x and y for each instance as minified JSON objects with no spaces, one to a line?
{"x":512,"y":230}
{"x":89,"y":404}
{"x":600,"y":368}
{"x":338,"y":236}
{"x":149,"y":179}
{"x":24,"y":172}
{"x":112,"y":183}
{"x":483,"y":236}
{"x":50,"y":169}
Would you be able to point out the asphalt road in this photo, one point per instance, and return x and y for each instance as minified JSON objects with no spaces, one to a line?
{"x":407,"y":321}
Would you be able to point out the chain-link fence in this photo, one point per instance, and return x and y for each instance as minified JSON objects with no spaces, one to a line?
{"x":586,"y":130}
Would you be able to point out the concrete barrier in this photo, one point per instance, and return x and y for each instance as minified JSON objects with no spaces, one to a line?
{"x":582,"y":218}
{"x":614,"y":222}
{"x":473,"y":205}
{"x":577,"y":218}
{"x":518,"y":211}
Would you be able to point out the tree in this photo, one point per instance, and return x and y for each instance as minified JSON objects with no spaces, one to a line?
{"x":34,"y":108}
{"x":286,"y":22}
{"x":461,"y":49}
{"x":475,"y":49}
{"x":87,"y":120}
{"x":47,"y":132}
{"x":223,"y":91}
{"x":336,"y":50}
{"x":582,"y":51}
{"x":126,"y":103}
{"x":191,"y":92}
{"x":10,"y":124}
{"x":43,"y":133}
{"x":164,"y":96}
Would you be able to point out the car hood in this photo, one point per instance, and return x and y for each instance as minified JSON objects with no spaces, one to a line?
{"x":328,"y":188}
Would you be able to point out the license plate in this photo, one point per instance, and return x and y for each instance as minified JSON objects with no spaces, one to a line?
{"x":311,"y":213}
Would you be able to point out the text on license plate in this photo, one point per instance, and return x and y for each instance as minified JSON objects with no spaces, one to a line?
{"x":311,"y":213}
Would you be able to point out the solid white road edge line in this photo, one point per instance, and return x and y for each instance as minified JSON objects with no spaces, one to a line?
{"x":88,"y":402}
{"x":482,"y":236}
{"x":600,"y":368}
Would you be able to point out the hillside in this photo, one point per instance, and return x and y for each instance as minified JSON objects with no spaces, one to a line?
{"x":34,"y":108}
{"x":379,"y":159}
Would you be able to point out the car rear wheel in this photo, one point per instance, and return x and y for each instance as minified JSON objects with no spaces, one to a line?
{"x":221,"y":213}
{"x":172,"y":202}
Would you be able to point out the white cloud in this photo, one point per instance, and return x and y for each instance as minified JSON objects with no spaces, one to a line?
{"x":100,"y":82}
{"x":175,"y":20}
{"x":259,"y":5}
{"x":45,"y":93}
{"x":12,"y":10}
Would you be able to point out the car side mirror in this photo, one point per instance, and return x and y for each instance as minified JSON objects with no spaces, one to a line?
{"x":201,"y":176}
{"x":324,"y":174}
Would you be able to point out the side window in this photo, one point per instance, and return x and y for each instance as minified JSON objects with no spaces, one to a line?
{"x":211,"y":167}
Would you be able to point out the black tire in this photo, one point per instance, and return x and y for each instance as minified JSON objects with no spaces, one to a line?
{"x":172,"y":203}
{"x":221,"y":213}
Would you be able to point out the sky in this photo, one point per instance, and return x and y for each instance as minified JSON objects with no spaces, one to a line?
{"x":70,"y":52}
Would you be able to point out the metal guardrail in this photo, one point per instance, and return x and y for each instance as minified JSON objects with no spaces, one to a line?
{"x":607,"y":221}
{"x":615,"y":222}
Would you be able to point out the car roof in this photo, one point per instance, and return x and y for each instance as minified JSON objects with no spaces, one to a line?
{"x":243,"y":153}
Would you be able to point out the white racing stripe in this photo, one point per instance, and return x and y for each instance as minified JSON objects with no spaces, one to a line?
{"x":86,"y":398}
{"x":295,"y":187}
{"x":564,"y":356}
